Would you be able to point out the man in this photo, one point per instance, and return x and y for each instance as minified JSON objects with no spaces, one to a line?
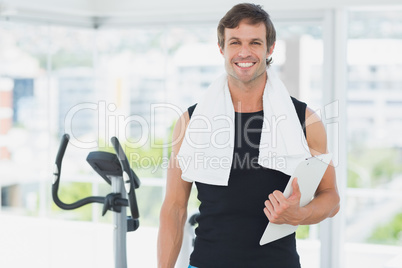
{"x":235,"y":212}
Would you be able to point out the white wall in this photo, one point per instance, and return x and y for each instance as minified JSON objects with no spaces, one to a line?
{"x":123,"y":12}
{"x":122,"y":6}
{"x":107,"y":7}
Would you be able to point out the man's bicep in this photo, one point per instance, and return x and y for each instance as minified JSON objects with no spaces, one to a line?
{"x":317,"y":141}
{"x":179,"y":132}
{"x":177,"y":190}
{"x":316,"y":134}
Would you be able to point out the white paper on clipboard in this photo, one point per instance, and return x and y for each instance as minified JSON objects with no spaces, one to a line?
{"x":309,"y":174}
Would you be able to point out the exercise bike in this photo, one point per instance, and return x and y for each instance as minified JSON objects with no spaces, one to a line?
{"x":116,"y":171}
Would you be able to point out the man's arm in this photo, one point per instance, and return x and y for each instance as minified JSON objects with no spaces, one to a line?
{"x":325,"y":204}
{"x":173,"y":213}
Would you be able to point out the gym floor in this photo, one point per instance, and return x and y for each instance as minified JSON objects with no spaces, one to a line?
{"x":44,"y":242}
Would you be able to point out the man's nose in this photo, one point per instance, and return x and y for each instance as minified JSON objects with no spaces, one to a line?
{"x":244,"y":51}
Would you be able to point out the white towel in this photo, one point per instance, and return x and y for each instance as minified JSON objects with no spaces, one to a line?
{"x":206,"y":153}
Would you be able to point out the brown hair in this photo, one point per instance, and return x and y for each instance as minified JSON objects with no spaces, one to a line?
{"x":254,"y":14}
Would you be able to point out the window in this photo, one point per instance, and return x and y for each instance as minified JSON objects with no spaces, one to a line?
{"x":373,"y":205}
{"x":94,"y":84}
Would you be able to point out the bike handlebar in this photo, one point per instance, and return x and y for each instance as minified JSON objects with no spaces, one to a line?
{"x":55,"y":187}
{"x":131,"y":180}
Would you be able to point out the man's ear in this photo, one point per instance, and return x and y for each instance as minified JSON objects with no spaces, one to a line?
{"x":220,"y":49}
{"x":271,"y":50}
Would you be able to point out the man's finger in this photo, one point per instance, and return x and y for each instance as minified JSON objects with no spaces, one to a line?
{"x":296,"y":189}
{"x":279,"y":196}
{"x":268,"y":214}
{"x":269,"y":209}
{"x":273,"y":201}
{"x":295,"y":185}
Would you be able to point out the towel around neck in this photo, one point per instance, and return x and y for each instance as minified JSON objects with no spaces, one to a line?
{"x":210,"y":134}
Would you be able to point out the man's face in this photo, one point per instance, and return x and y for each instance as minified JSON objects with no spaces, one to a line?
{"x":245,"y":52}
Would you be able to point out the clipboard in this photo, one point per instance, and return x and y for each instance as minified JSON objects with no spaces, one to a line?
{"x":309,"y":174}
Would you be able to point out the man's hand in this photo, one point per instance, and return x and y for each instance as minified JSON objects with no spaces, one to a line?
{"x":325,"y":203}
{"x":281,"y":210}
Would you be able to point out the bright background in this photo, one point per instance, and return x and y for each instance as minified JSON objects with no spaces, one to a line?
{"x":95,"y":71}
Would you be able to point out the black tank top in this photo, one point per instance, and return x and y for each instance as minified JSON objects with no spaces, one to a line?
{"x":232,"y":220}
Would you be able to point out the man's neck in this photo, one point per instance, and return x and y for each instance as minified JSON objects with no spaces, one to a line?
{"x":247,"y":97}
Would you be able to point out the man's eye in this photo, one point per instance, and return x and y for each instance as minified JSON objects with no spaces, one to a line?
{"x":256,"y":43}
{"x":234,"y":43}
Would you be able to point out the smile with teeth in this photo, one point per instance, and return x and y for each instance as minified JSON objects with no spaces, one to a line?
{"x":245,"y":64}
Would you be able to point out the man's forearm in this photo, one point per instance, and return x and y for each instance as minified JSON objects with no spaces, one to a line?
{"x":170,"y":237}
{"x":324,"y":205}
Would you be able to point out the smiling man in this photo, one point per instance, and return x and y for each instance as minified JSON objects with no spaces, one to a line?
{"x":246,"y":51}
{"x":238,"y":200}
